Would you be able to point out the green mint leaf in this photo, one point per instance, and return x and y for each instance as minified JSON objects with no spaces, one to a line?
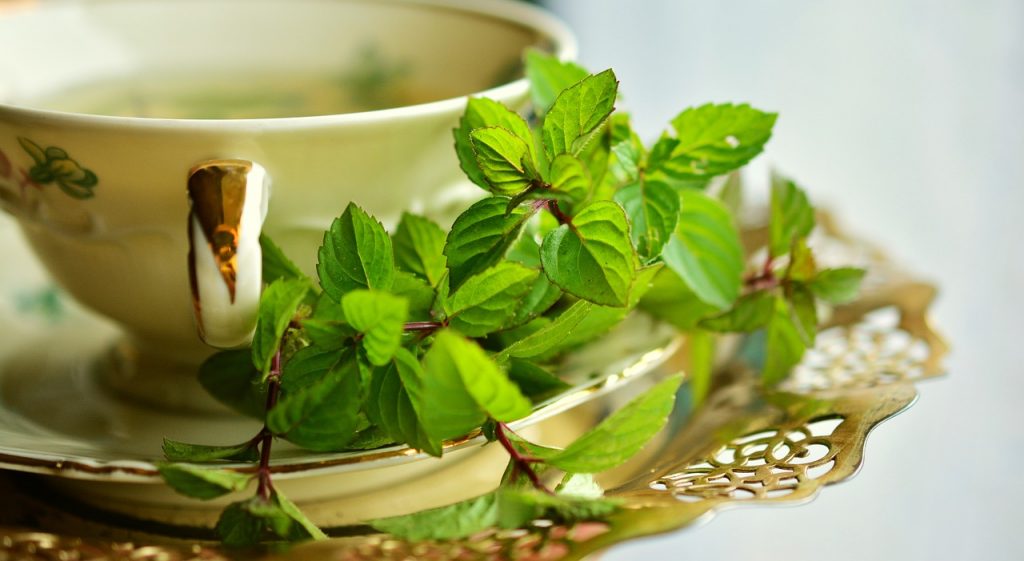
{"x":751,"y":312}
{"x":380,"y":317}
{"x":303,"y":529}
{"x":487,"y":301}
{"x":731,"y":194}
{"x":356,"y":253}
{"x":542,"y":295}
{"x":278,"y":305}
{"x":544,"y":340}
{"x":419,"y":247}
{"x":592,"y":258}
{"x":580,"y":486}
{"x":548,"y":76}
{"x":700,"y":350}
{"x":504,"y":159}
{"x":784,"y":345}
{"x":802,"y":265}
{"x":390,"y":407}
{"x":620,"y":436}
{"x":417,"y":293}
{"x":705,"y":251}
{"x":481,"y":236}
{"x":202,"y":482}
{"x":322,"y":416}
{"x":716,"y":138}
{"x":669,"y":299}
{"x":276,"y":264}
{"x":308,"y":366}
{"x":444,"y":523}
{"x":792,"y":216}
{"x":805,"y":312}
{"x":231,"y":379}
{"x":653,"y":211}
{"x":176,"y":451}
{"x":837,"y":286}
{"x":578,"y":113}
{"x":481,"y":113}
{"x":238,"y":526}
{"x":459,"y":374}
{"x":535,"y":382}
{"x":518,"y":507}
{"x":569,"y":178}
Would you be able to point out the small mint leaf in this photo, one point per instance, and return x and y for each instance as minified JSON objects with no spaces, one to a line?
{"x":547,"y":338}
{"x":670,"y":300}
{"x":390,"y":407}
{"x":202,"y":482}
{"x":380,"y":317}
{"x":324,"y":415}
{"x":419,"y":247}
{"x":504,"y":159}
{"x":303,"y":529}
{"x":443,"y":523}
{"x":592,"y":258}
{"x":480,"y":113}
{"x":653,"y":211}
{"x":231,"y":378}
{"x":356,"y":253}
{"x":535,"y":382}
{"x":837,"y":286}
{"x":481,"y":236}
{"x":238,"y":526}
{"x":705,"y":251}
{"x":751,"y":312}
{"x":578,"y":113}
{"x":784,"y":345}
{"x":278,"y":305}
{"x":487,"y":301}
{"x":619,"y":437}
{"x":569,"y":180}
{"x":276,"y":264}
{"x":792,"y":217}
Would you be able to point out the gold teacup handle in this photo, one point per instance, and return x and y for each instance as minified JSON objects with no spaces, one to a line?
{"x":228,"y":202}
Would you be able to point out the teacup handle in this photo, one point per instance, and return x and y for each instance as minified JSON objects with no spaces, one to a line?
{"x":228,"y":203}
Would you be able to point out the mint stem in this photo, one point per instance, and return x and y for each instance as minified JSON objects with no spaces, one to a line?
{"x":559,"y":215}
{"x":266,"y":486}
{"x":521,"y":462}
{"x":423,"y":325}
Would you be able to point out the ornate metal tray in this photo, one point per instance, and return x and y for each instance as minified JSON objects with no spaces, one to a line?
{"x":742,"y":445}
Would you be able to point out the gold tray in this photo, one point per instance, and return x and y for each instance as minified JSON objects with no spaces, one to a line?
{"x":742,"y":445}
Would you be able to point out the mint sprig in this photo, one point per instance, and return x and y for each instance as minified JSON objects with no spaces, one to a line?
{"x":424,"y":335}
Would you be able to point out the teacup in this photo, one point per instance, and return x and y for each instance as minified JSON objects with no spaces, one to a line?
{"x":129,"y":129}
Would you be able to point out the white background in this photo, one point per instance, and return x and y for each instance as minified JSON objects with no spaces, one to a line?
{"x":906,"y":117}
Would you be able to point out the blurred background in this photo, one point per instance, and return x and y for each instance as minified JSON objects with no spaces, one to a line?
{"x":906,"y":119}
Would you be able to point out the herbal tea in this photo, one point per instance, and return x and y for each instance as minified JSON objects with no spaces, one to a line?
{"x":239,"y":96}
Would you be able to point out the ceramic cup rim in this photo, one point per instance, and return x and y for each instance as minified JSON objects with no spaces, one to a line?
{"x":563,"y":42}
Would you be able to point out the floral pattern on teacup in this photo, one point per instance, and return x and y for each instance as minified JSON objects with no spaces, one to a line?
{"x":52,"y":165}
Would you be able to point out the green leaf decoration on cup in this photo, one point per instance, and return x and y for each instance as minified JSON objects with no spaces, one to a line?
{"x":52,"y":165}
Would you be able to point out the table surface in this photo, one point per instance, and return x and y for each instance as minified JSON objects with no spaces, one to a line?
{"x":907,"y":119}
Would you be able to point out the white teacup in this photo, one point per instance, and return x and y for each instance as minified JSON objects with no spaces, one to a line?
{"x":107,"y":106}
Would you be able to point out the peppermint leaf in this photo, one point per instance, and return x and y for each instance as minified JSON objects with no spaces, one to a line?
{"x":700,"y":350}
{"x":480,"y":113}
{"x":231,"y":378}
{"x":380,"y":317}
{"x":705,"y":251}
{"x":184,"y":452}
{"x":592,"y":258}
{"x":487,"y":302}
{"x":390,"y":407}
{"x":750,"y":313}
{"x":419,"y":247}
{"x":481,"y":236}
{"x":784,"y":345}
{"x":303,"y":528}
{"x":356,"y":253}
{"x":278,"y":305}
{"x":542,"y":341}
{"x":459,"y":374}
{"x":653,"y":211}
{"x":322,"y":416}
{"x":805,"y":312}
{"x":577,"y":114}
{"x":837,"y":286}
{"x":716,"y":138}
{"x":276,"y":264}
{"x":504,"y":159}
{"x":238,"y":527}
{"x":444,"y":523}
{"x":619,"y":437}
{"x":792,"y":216}
{"x":202,"y":483}
{"x":669,"y":299}
{"x":569,"y":179}
{"x":548,"y":76}
{"x":416,"y":292}
{"x":308,"y":366}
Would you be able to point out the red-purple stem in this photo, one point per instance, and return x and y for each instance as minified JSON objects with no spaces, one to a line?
{"x":521,"y":463}
{"x":266,"y":486}
{"x":423,"y":325}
